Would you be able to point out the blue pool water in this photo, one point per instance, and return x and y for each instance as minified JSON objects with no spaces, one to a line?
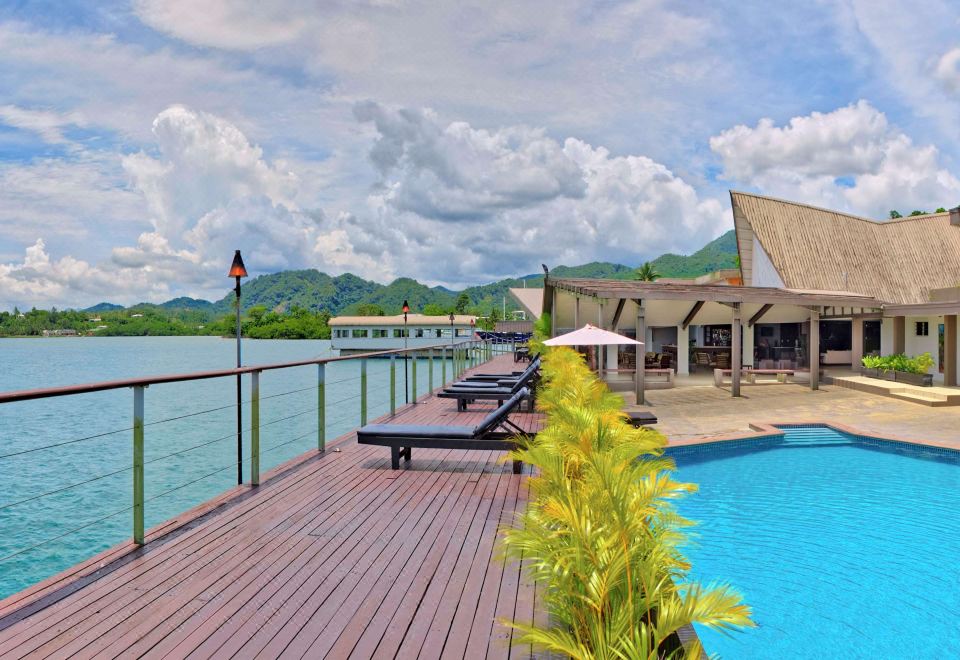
{"x":845,"y":547}
{"x":188,"y":460}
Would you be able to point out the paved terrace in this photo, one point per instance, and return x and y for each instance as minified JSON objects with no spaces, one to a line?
{"x":686,"y":413}
{"x":334,"y":555}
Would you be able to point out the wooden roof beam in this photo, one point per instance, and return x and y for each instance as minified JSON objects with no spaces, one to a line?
{"x":616,"y":315}
{"x":759,"y":315}
{"x":692,"y":313}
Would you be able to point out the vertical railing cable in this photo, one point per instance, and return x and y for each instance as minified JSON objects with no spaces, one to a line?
{"x":393,"y":385}
{"x":321,"y":407}
{"x":255,"y":428}
{"x":138,"y":464}
{"x":363,"y":391}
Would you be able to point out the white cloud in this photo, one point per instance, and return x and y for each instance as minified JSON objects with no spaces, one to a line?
{"x":851,"y":159}
{"x":456,"y":172}
{"x":226,"y":24}
{"x":42,"y":281}
{"x":207,"y":192}
{"x":82,"y":201}
{"x":567,"y":63}
{"x":211,"y":191}
{"x":899,"y":50}
{"x":45,"y":123}
{"x":948,"y":69}
{"x":533,"y":198}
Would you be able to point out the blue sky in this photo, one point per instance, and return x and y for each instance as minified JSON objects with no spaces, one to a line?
{"x":141,"y":142}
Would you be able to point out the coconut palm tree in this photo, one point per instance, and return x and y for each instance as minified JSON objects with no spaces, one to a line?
{"x":647,"y":273}
{"x":601,"y":533}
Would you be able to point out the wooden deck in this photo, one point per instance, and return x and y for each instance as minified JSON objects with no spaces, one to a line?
{"x":334,"y":555}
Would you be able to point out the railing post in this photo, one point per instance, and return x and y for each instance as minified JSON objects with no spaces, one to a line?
{"x":393,"y":384}
{"x":443,"y":365}
{"x":363,"y":391}
{"x":254,"y":428}
{"x":430,"y":367}
{"x":138,"y":464}
{"x":321,"y":407}
{"x":413,"y":379}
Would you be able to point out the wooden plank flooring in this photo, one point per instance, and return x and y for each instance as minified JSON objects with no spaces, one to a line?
{"x":334,"y":555}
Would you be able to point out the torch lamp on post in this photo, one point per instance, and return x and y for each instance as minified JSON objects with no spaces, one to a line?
{"x":238,"y":270}
{"x":406,"y":387}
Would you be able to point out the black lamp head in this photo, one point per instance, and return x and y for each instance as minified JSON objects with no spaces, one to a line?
{"x":237,"y":269}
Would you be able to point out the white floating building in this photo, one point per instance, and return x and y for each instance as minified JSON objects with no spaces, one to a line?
{"x":362,"y":334}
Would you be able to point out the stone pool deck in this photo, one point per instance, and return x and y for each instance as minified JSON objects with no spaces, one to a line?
{"x":696,"y":412}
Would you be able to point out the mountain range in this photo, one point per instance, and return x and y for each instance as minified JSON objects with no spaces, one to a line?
{"x":317,"y":291}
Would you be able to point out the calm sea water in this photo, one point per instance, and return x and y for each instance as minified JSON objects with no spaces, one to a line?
{"x":844,"y":549}
{"x":188,"y":460}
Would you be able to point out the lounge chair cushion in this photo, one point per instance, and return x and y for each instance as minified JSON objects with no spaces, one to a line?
{"x":454,"y":392}
{"x":417,"y":431}
{"x":468,"y":384}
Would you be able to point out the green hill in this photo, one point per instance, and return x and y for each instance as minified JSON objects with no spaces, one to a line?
{"x":316,"y":291}
{"x":716,"y":255}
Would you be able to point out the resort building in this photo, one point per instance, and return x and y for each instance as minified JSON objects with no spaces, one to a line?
{"x":361,"y":334}
{"x":815,"y":288}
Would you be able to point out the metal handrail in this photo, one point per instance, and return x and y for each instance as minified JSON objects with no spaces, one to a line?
{"x":462,"y":355}
{"x":84,"y":388}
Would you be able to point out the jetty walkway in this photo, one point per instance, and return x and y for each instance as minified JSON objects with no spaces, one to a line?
{"x":333,"y":555}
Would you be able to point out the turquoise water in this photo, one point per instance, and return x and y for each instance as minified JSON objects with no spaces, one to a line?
{"x":176,"y":483}
{"x":844,"y":548}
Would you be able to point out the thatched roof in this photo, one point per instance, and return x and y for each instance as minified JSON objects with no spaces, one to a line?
{"x":896,"y":261}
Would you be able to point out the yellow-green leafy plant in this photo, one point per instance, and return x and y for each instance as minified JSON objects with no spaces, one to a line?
{"x":541,"y":332}
{"x":601,"y":534}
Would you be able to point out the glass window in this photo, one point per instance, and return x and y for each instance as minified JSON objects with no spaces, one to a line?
{"x":439,"y":332}
{"x":379,"y":332}
{"x":419,"y":332}
{"x":359,"y":333}
{"x":398,"y":332}
{"x":445,"y":332}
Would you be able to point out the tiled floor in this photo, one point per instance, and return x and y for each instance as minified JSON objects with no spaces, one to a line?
{"x":689,"y":412}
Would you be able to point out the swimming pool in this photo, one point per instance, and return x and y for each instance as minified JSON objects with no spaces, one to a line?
{"x":845,"y":546}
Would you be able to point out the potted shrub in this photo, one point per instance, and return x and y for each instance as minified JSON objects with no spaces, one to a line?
{"x":900,"y":368}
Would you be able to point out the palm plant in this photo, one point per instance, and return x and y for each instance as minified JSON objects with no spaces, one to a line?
{"x":647,"y":273}
{"x":602,"y":534}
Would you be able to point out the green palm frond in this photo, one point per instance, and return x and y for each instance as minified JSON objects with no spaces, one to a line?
{"x":601,"y":533}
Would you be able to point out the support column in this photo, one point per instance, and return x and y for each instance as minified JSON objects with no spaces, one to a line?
{"x":576,"y":313}
{"x":736,"y":352}
{"x":683,"y":350}
{"x":899,"y":334}
{"x":639,"y":375}
{"x":553,"y":312}
{"x":950,"y":350}
{"x":748,"y":345}
{"x":600,"y":348}
{"x":856,"y":343}
{"x":814,"y":349}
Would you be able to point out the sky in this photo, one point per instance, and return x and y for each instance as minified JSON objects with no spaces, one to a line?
{"x":453,"y":142}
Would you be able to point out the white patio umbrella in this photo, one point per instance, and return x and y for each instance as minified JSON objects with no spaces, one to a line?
{"x":591,"y":335}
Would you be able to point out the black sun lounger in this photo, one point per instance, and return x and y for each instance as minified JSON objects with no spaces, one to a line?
{"x":533,"y":366}
{"x":507,"y":385}
{"x":640,"y":418}
{"x":466,"y":395}
{"x":496,"y":431}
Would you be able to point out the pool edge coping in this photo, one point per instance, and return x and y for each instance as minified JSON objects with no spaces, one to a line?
{"x":760,"y":430}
